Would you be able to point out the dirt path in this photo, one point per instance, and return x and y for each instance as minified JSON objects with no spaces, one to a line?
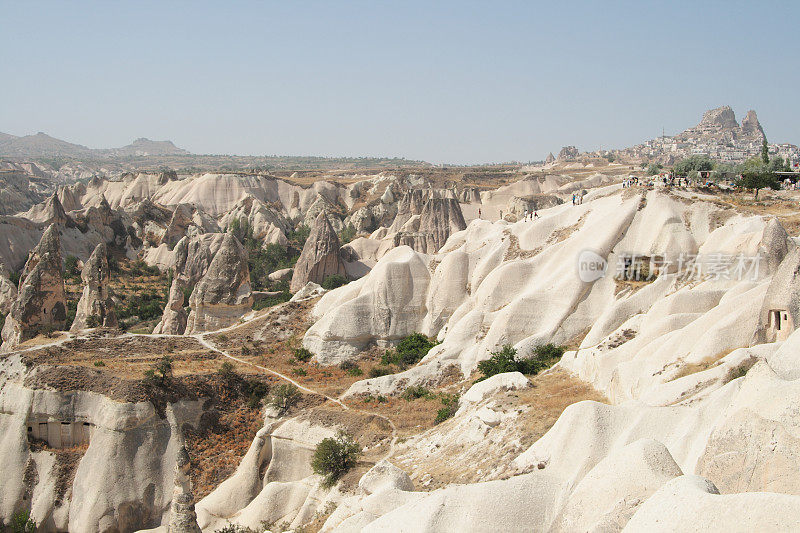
{"x":205,"y":342}
{"x":201,"y":338}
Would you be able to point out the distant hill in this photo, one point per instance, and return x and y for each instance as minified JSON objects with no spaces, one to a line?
{"x":43,"y":145}
{"x":146,"y":147}
{"x":40,"y":145}
{"x":154,"y":155}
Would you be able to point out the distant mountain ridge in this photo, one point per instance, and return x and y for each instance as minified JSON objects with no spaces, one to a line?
{"x":43,"y":145}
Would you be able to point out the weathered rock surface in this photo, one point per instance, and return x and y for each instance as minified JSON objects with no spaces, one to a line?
{"x":95,"y":308}
{"x":440,"y":218}
{"x":320,"y":257}
{"x":189,"y":221}
{"x":8,"y":291}
{"x":224,"y":293}
{"x":41,"y":302}
{"x":183,"y":518}
{"x":284,"y":274}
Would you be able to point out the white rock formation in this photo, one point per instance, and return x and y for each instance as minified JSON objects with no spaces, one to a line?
{"x":95,"y":308}
{"x":320,"y":256}
{"x":224,"y":294}
{"x":41,"y":302}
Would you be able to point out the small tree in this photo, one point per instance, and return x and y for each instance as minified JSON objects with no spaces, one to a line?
{"x":757,"y":175}
{"x":764,"y":151}
{"x":654,"y":169}
{"x":334,"y":457}
{"x":284,"y":396}
{"x":161,"y":372}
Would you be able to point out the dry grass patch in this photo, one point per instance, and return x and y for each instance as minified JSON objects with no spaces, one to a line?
{"x":440,"y":456}
{"x":687,"y":369}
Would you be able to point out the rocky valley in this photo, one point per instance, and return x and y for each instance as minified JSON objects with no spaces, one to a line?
{"x":562,"y":347}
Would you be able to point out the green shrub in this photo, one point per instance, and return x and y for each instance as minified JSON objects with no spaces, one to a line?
{"x":72,"y":310}
{"x":351,"y":368}
{"x":414,"y":392}
{"x":334,"y":457}
{"x":71,"y":267}
{"x":227,"y":372}
{"x":299,"y":371}
{"x":347,"y":234}
{"x":14,"y":278}
{"x":334,"y":281}
{"x":378,"y":371}
{"x":271,"y":301}
{"x":381,"y":398}
{"x":284,"y":396}
{"x":408,"y":351}
{"x":235,"y":528}
{"x":740,"y":370}
{"x":450,"y":406}
{"x":21,"y":522}
{"x":505,"y":360}
{"x":99,"y":363}
{"x":254,"y":391}
{"x":303,"y":355}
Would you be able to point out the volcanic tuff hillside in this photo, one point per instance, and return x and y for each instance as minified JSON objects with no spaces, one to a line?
{"x":672,"y":406}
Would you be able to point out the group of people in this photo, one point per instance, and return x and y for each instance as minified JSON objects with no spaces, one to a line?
{"x":630,"y":182}
{"x":532,"y":214}
{"x":577,"y":199}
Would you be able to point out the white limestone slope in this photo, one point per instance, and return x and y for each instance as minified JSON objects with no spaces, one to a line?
{"x":500,"y":283}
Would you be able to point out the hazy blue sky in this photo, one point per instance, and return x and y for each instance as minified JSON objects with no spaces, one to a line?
{"x":458,"y":82}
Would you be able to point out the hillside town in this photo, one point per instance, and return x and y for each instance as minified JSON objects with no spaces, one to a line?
{"x":718,"y":136}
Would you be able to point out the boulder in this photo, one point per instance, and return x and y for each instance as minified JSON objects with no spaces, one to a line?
{"x":41,"y":302}
{"x":95,"y":308}
{"x":320,"y":256}
{"x":309,"y":290}
{"x":385,"y":476}
{"x":224,"y":294}
{"x":283,"y":274}
{"x":607,"y":497}
{"x":498,"y":382}
{"x":693,"y":503}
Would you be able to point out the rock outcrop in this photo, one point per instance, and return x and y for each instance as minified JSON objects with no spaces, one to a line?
{"x":568,"y":153}
{"x":183,"y":518}
{"x":95,"y":308}
{"x":427,"y":232}
{"x":173,"y":320}
{"x":320,"y":256}
{"x":224,"y":293}
{"x":50,"y":212}
{"x":41,"y":302}
{"x":8,"y":291}
{"x":751,"y":125}
{"x":440,"y":218}
{"x":410,"y":204}
{"x":550,"y":159}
